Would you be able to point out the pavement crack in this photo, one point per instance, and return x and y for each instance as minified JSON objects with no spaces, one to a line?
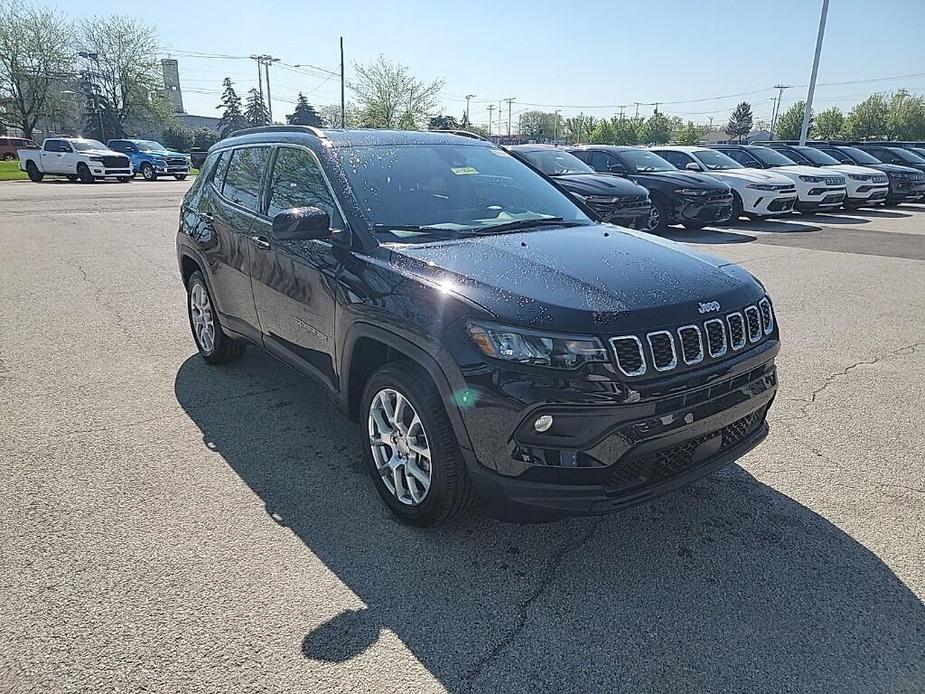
{"x":831,"y":378}
{"x":524,"y":608}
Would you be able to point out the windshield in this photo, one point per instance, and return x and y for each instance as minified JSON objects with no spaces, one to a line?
{"x":907,"y":156}
{"x":149,"y":146}
{"x":816,"y":157}
{"x":640,"y":161}
{"x":769,"y":157}
{"x":85,"y":145}
{"x":412,"y":192}
{"x":553,"y":162}
{"x":860,"y":156}
{"x":716,"y":161}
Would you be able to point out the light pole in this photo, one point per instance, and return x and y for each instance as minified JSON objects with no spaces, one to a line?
{"x":808,"y":107}
{"x":509,"y":101}
{"x":95,"y":57}
{"x":468,"y":96}
{"x":555,"y":137}
{"x":491,"y":113}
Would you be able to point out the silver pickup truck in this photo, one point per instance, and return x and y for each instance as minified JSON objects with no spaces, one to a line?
{"x":75,"y":158}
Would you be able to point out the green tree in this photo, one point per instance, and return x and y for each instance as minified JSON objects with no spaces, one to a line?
{"x":740,"y":122}
{"x":690,"y":134}
{"x":304,"y":113}
{"x":232,"y":117}
{"x":538,"y":125}
{"x":255,"y":110}
{"x":203,"y":138}
{"x":178,"y":137}
{"x":36,"y":49}
{"x":390,"y":96}
{"x":443,"y":122}
{"x":829,"y":124}
{"x":330,"y":115}
{"x":869,"y":119}
{"x":120,"y":57}
{"x":657,"y":129}
{"x":603,"y":132}
{"x":627,"y":131}
{"x":100,"y":119}
{"x":790,"y":123}
{"x":907,"y":116}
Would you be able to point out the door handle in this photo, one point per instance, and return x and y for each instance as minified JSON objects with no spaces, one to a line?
{"x":261,"y":242}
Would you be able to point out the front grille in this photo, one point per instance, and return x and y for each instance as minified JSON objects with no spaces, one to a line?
{"x":691,"y":344}
{"x":767,"y":316}
{"x":115,"y":162}
{"x":833,"y":180}
{"x":716,"y":337}
{"x":719,"y":197}
{"x":664,"y":356}
{"x":781,"y":204}
{"x":176,"y":162}
{"x":878,"y":179}
{"x":736,"y":330}
{"x":753,"y":321}
{"x":676,"y":460}
{"x":630,"y":359}
{"x":833,"y":198}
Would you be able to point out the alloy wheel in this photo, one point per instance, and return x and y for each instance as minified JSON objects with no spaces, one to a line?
{"x":654,"y":218}
{"x":201,"y":317}
{"x":399,"y":446}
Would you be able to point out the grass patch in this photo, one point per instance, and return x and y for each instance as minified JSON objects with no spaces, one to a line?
{"x":9,"y":171}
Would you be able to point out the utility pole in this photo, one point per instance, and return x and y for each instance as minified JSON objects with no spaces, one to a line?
{"x":555,"y":137}
{"x":808,"y":107}
{"x":468,"y":96}
{"x":637,"y":109}
{"x":776,"y":111}
{"x":343,"y":108}
{"x":622,"y":108}
{"x":267,"y":61}
{"x":499,"y":119}
{"x":491,"y":109}
{"x":509,"y":100}
{"x":259,"y":59}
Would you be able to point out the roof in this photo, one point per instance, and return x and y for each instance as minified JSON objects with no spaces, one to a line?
{"x":336,"y":137}
{"x":610,"y":148}
{"x":680,"y":148}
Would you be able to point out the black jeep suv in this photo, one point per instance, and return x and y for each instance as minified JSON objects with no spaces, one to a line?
{"x":678,"y":197}
{"x":613,"y":199}
{"x":491,"y":339}
{"x":907,"y":184}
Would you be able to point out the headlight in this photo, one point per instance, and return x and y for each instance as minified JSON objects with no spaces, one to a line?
{"x":99,"y":159}
{"x":811,"y":179}
{"x":693,"y":191}
{"x":536,"y":348}
{"x":762,"y":186}
{"x":601,"y":199}
{"x":860,"y":177}
{"x":579,"y":196}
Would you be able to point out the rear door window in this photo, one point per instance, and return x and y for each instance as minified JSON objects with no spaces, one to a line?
{"x":242,"y":180}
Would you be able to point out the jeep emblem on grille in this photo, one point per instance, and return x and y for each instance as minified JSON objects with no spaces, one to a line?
{"x":708,"y":307}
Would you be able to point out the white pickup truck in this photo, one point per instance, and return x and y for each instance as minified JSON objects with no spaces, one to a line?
{"x":74,"y":158}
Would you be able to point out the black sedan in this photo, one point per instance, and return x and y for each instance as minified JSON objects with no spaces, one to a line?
{"x":614,"y":199}
{"x":678,"y":197}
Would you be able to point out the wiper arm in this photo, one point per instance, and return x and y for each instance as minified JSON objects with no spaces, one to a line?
{"x":526,"y":224}
{"x":421,"y":228}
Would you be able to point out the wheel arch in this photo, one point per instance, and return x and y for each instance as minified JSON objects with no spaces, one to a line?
{"x":368,"y":347}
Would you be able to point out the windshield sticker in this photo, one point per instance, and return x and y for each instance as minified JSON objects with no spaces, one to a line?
{"x":463,"y":170}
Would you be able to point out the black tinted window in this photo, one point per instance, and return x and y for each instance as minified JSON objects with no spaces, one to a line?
{"x":840,"y":156}
{"x":242,"y":180}
{"x":601,"y":161}
{"x":56,"y":146}
{"x":679,"y":159}
{"x":743,"y":158}
{"x":298,"y":182}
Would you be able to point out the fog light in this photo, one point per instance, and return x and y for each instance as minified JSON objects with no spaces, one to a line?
{"x":543,"y":422}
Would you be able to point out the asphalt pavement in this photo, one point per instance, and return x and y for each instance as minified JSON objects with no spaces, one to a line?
{"x":169,"y":526}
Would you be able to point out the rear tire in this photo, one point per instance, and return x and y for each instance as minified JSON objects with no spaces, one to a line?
{"x":211,"y":341}
{"x":71,"y":177}
{"x":427,"y":426}
{"x":33,"y":172}
{"x":9,"y":156}
{"x":84,"y":174}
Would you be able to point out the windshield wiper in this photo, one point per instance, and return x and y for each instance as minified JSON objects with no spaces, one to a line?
{"x":432,"y":229}
{"x":526,"y":224}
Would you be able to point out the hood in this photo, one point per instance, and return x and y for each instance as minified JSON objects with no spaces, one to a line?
{"x":595,"y":279}
{"x":751,"y":176}
{"x":852,"y":169}
{"x":892,"y":168}
{"x":102,"y":153}
{"x":681,"y":179}
{"x":798,"y":170}
{"x":599,"y":184}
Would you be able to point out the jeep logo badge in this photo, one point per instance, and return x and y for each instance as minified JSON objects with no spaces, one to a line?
{"x":708,"y":307}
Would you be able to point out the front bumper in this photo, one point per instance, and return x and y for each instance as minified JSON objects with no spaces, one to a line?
{"x":702,"y":210}
{"x":866,"y":193}
{"x":821,"y":198}
{"x":906,"y":190}
{"x":101,"y":171}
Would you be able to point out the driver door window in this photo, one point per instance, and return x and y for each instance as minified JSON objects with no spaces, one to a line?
{"x":679,"y":159}
{"x":297,"y":181}
{"x":601,"y":161}
{"x":744,"y":158}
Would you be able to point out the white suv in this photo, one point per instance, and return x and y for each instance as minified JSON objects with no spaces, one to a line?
{"x":755,"y":193}
{"x":866,"y":186}
{"x":817,"y":189}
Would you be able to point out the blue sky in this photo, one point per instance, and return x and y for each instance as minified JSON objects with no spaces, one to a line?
{"x":561,"y":55}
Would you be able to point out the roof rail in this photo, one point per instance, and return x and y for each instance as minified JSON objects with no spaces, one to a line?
{"x":317,"y":132}
{"x":462,"y":133}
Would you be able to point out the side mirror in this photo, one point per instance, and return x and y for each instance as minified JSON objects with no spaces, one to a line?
{"x":302,"y":224}
{"x":617,"y":169}
{"x":693,"y":166}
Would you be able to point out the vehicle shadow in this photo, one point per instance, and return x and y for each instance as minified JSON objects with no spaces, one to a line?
{"x":777,"y":226}
{"x":878,"y":214}
{"x":707,"y":235}
{"x":835,"y":219}
{"x":727,"y":585}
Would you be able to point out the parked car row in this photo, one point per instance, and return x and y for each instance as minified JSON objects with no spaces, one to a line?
{"x":77,"y":158}
{"x":697,"y":185}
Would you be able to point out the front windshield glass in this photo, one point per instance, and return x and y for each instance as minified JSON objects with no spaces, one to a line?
{"x":416,"y":192}
{"x":770,"y":157}
{"x":716,"y":161}
{"x":85,"y":145}
{"x":908,"y":156}
{"x":149,"y":146}
{"x":641,"y":161}
{"x":553,"y":162}
{"x":860,"y":156}
{"x":816,"y":157}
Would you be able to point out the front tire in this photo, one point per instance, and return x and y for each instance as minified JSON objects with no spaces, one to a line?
{"x":33,"y":172}
{"x":84,"y":174}
{"x":410,"y":447}
{"x":180,"y":177}
{"x":124,"y":179}
{"x":213,"y":344}
{"x":147,"y":172}
{"x":658,"y":218}
{"x":738,"y":208}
